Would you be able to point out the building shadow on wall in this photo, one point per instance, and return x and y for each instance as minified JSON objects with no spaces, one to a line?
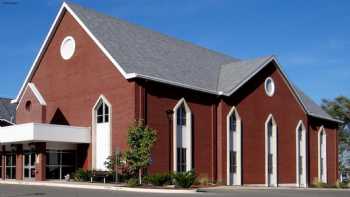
{"x":59,"y":118}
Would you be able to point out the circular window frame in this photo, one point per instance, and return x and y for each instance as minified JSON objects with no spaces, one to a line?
{"x":272,"y":88}
{"x":67,"y":53}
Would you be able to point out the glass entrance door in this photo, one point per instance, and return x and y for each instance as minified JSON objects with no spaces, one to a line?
{"x":29,"y":166}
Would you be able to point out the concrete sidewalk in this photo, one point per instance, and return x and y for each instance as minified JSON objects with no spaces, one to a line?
{"x":232,"y":188}
{"x":99,"y":186}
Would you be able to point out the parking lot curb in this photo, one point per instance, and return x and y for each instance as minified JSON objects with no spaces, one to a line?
{"x":101,"y":187}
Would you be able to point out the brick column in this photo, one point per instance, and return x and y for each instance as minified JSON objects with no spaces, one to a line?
{"x":40,"y":161}
{"x":3,"y":162}
{"x":19,"y":162}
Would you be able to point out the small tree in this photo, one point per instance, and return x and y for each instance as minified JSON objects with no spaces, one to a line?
{"x":141,"y":139}
{"x":339,"y":108}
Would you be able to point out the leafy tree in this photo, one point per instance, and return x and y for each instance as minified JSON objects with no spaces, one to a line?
{"x":141,"y":139}
{"x":339,"y":108}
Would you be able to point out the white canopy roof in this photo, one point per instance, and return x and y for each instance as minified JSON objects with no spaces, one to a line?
{"x":37,"y":132}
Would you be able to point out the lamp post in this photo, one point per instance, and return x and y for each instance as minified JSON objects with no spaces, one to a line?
{"x":169,"y":114}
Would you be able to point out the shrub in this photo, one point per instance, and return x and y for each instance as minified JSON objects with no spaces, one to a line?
{"x":184,"y":179}
{"x":158,"y":179}
{"x":82,"y":175}
{"x":340,"y":184}
{"x":318,"y":184}
{"x":133,"y":182}
{"x":204,"y":181}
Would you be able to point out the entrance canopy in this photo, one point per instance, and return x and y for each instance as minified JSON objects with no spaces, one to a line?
{"x":37,"y":132}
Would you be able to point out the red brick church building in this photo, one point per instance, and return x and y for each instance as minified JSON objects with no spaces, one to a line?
{"x":238,"y":122}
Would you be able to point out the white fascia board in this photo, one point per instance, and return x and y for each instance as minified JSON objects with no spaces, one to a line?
{"x":46,"y":41}
{"x":37,"y":132}
{"x":37,"y":94}
{"x":43,"y":46}
{"x":4,"y":120}
{"x":61,"y":133}
{"x":17,"y":133}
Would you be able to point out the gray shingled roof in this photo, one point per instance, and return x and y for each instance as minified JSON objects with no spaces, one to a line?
{"x":7,"y":110}
{"x":148,"y":53}
{"x":142,"y":51}
{"x":311,"y":107}
{"x":234,"y":73}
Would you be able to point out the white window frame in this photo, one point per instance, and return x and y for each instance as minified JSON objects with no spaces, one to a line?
{"x":301,"y":124}
{"x":239,"y":146}
{"x":94,"y":123}
{"x":273,"y":86}
{"x":322,"y":131}
{"x":66,"y":55}
{"x":188,"y":132}
{"x":274,"y":130}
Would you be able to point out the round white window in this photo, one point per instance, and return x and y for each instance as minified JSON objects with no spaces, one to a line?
{"x":269,"y":86}
{"x":67,"y":47}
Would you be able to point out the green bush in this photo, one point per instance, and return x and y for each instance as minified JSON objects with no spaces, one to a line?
{"x":318,"y":184}
{"x":82,"y":175}
{"x":133,"y":182}
{"x":339,"y":184}
{"x":184,"y":179}
{"x":158,"y":179}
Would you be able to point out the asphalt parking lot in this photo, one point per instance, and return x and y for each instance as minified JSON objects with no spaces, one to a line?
{"x":44,"y":191}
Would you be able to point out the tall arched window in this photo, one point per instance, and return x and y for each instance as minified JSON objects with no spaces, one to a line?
{"x":322,"y":155}
{"x":271,"y":151}
{"x":102,"y":146}
{"x":182,"y":136}
{"x":233,"y":148}
{"x":301,"y":155}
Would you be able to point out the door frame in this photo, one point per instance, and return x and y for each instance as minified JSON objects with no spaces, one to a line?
{"x":30,"y":167}
{"x":94,"y":124}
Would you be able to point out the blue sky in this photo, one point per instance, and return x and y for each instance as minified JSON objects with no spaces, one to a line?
{"x":310,"y":38}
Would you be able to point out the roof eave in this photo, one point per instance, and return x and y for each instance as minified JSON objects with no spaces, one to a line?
{"x":325,"y":118}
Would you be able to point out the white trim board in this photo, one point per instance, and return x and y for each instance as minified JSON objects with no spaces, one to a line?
{"x":93,"y":130}
{"x":274,"y":151}
{"x":36,"y":93}
{"x":126,"y":75}
{"x":238,"y":142}
{"x":55,"y":24}
{"x":4,"y":120}
{"x":320,"y":131}
{"x":188,"y":132}
{"x":304,"y":144}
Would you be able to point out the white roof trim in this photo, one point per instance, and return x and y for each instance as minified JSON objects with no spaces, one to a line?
{"x":65,"y":6}
{"x":45,"y":43}
{"x":36,"y":93}
{"x":4,"y":120}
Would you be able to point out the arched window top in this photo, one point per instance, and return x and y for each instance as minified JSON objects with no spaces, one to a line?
{"x":182,"y":107}
{"x":322,"y":131}
{"x":233,"y":117}
{"x":270,"y":120}
{"x":181,"y":115}
{"x":300,"y":126}
{"x":102,"y":108}
{"x":270,"y":124}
